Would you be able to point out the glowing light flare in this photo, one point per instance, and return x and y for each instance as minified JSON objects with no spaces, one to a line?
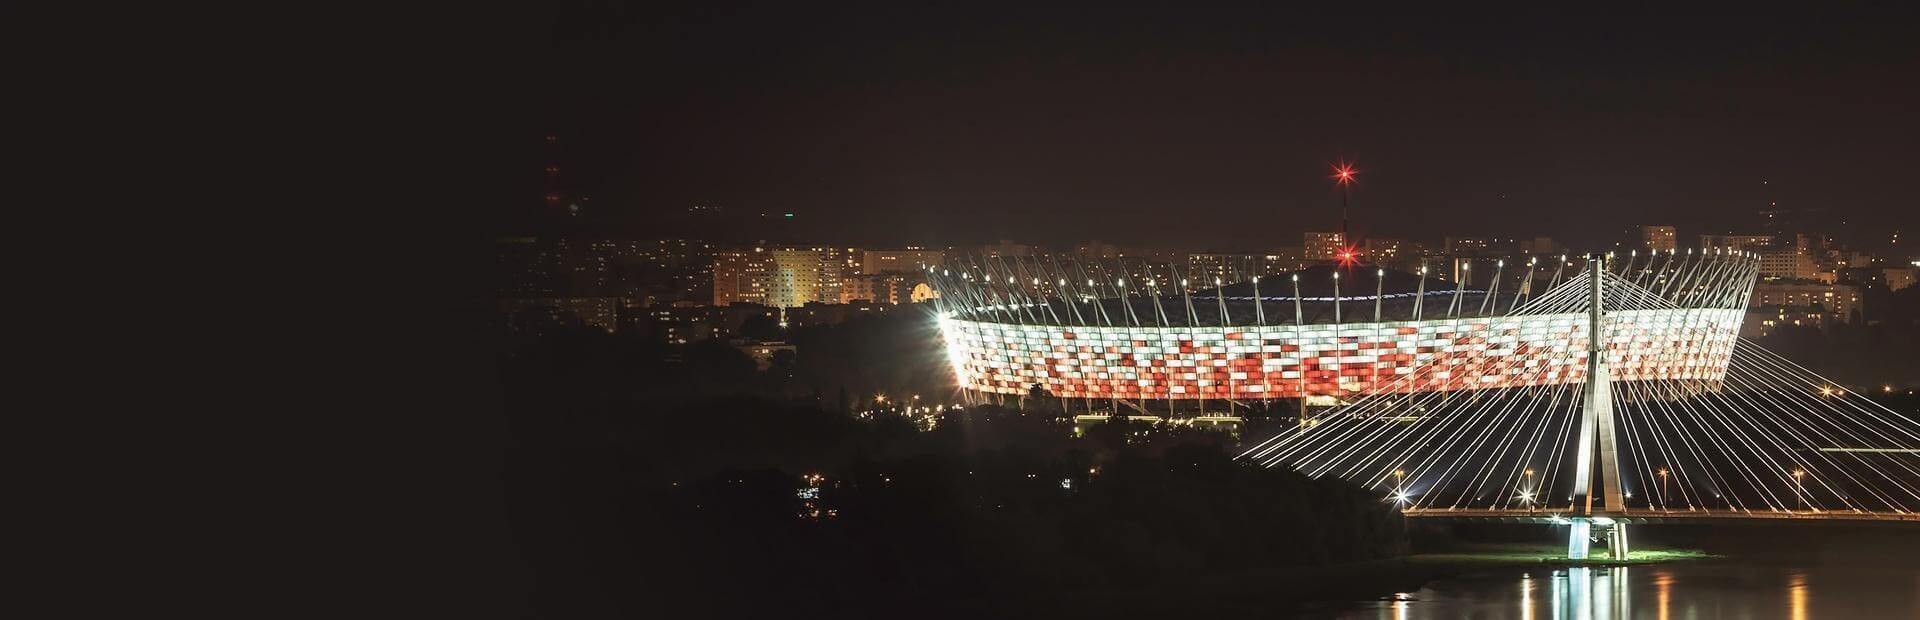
{"x":956,"y":351}
{"x":1347,"y":256}
{"x":1343,"y":173}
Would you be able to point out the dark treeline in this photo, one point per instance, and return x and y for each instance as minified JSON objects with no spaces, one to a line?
{"x":645,"y":480}
{"x":1877,"y":348}
{"x":837,"y":367}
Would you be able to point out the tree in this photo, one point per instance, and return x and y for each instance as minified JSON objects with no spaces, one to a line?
{"x":761,"y":327}
{"x":1039,"y":399}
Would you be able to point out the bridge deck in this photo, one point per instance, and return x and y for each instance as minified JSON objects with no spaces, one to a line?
{"x":1631,"y":515}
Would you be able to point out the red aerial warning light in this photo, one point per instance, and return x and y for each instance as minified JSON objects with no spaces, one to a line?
{"x":1343,"y":173}
{"x":1348,"y":257}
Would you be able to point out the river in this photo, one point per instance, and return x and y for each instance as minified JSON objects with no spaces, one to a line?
{"x":1723,"y":588}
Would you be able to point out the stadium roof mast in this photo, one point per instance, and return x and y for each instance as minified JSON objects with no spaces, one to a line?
{"x":1343,"y":173}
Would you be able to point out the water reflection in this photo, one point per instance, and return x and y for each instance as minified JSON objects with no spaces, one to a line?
{"x":1797,"y":595}
{"x":1662,"y":591}
{"x":1526,"y":597}
{"x":1677,"y":591}
{"x":1591,"y":593}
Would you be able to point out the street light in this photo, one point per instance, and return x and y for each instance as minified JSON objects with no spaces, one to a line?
{"x":1799,"y":489}
{"x":1663,"y":487}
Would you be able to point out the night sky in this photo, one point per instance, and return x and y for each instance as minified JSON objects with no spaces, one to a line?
{"x":1216,"y":128}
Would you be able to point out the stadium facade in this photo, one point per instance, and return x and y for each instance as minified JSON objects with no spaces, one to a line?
{"x":1143,"y":332}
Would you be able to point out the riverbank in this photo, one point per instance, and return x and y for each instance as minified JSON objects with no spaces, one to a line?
{"x":1265,"y":592}
{"x":1499,"y":555}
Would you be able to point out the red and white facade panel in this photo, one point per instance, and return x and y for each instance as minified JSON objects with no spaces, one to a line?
{"x":1338,"y":360}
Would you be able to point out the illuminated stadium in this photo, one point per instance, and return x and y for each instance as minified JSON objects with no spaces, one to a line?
{"x":1129,"y":330}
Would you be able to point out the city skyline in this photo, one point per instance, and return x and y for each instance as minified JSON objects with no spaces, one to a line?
{"x":809,"y":310}
{"x":961,"y":126}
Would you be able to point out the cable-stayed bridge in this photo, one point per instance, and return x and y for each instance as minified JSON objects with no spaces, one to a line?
{"x":1755,"y":437}
{"x":1455,"y":400}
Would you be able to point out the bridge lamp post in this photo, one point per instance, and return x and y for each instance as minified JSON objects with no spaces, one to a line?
{"x":1527,"y":495}
{"x":1399,"y":485}
{"x":1663,"y":488}
{"x":1799,"y":490}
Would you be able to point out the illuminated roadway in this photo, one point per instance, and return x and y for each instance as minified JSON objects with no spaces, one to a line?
{"x":1543,"y":515}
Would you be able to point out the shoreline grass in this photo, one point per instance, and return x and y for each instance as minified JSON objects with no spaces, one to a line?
{"x":1547,"y":555}
{"x":1259,"y":593}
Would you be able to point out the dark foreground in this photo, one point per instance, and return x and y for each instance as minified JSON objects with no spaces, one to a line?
{"x":1288,"y":591}
{"x":1728,"y":570}
{"x":709,"y":488}
{"x":1739,"y":571}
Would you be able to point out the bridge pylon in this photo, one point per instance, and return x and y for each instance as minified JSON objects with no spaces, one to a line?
{"x":1597,"y":436}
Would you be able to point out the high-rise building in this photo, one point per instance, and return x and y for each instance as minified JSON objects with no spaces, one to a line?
{"x":1284,"y":259}
{"x":1542,"y":245}
{"x":1836,"y":301}
{"x":899,"y":261}
{"x":1209,"y":266}
{"x":1751,"y":243}
{"x":526,"y":268}
{"x":1789,"y":264}
{"x":1763,"y":321}
{"x":1658,"y":238}
{"x":786,"y":277}
{"x":1899,"y":277}
{"x":742,"y":276}
{"x":862,"y":287}
{"x":1385,"y":250}
{"x":802,"y":275}
{"x":1322,"y":246}
{"x":885,"y":288}
{"x":1006,"y":248}
{"x":1473,"y":246}
{"x":689,"y":268}
{"x":562,"y":267}
{"x":1396,"y":253}
{"x":601,"y":312}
